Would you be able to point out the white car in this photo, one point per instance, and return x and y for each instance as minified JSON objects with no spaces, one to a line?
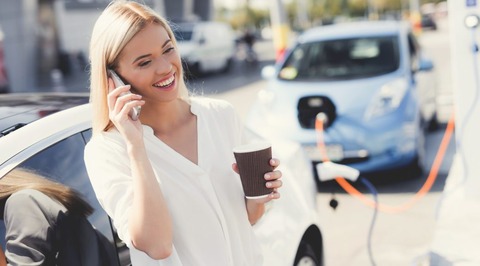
{"x":47,"y":133}
{"x":205,"y":46}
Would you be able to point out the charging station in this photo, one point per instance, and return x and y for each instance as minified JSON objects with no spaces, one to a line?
{"x":464,"y":23}
{"x":457,"y":235}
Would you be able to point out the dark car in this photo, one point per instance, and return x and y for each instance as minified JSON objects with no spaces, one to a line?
{"x":428,"y":22}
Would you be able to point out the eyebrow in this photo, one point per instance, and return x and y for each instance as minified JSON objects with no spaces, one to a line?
{"x":147,"y":55}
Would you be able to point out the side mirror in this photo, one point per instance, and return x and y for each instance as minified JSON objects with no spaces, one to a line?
{"x":268,"y":72}
{"x":425,"y":65}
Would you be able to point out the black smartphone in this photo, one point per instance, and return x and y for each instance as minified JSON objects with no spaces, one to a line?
{"x":135,"y":112}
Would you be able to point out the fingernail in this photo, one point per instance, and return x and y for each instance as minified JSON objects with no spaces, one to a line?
{"x":269,"y":184}
{"x":267,"y":176}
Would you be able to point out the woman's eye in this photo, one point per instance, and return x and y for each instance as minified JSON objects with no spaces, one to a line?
{"x":169,"y":50}
{"x":145,"y":63}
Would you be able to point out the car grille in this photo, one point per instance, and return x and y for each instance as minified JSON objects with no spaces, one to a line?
{"x":309,"y":107}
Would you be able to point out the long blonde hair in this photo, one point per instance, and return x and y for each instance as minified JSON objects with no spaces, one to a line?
{"x":115,"y":27}
{"x":20,"y":178}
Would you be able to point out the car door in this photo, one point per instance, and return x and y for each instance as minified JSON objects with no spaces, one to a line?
{"x":63,"y":162}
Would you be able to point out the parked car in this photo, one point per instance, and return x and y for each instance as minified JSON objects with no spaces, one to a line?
{"x":47,"y":133}
{"x":205,"y":46}
{"x":428,"y":22}
{"x":370,"y":80}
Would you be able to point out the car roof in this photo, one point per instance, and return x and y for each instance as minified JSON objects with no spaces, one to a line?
{"x":23,"y":108}
{"x":53,"y":126}
{"x":353,"y":29}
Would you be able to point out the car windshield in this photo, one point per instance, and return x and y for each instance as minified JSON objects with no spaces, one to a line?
{"x":342,"y":59}
{"x":183,"y":35}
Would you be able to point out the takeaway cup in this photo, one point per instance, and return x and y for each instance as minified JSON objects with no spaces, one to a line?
{"x":253,"y":162}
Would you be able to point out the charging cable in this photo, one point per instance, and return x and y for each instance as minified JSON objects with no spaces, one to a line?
{"x":328,"y":170}
{"x":337,"y":176}
{"x":374,"y":218}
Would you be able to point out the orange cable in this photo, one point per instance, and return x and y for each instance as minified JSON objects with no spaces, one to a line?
{"x":420,"y":193}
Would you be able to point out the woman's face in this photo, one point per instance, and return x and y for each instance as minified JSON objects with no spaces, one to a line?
{"x":151,"y":64}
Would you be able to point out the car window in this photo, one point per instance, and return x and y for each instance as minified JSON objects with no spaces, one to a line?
{"x":342,"y":59}
{"x":63,"y":162}
{"x":183,"y":35}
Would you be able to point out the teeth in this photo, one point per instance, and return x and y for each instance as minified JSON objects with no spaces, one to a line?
{"x":165,"y":83}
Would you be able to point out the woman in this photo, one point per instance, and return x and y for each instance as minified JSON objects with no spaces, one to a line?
{"x":166,"y":179}
{"x":45,"y":224}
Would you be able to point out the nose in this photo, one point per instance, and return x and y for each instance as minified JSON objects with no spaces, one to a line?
{"x":164,"y":66}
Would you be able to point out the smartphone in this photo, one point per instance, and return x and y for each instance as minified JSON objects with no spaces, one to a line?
{"x":135,"y":112}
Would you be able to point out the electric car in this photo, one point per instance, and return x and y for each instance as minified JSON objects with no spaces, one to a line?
{"x":47,"y":133}
{"x":371,"y":83}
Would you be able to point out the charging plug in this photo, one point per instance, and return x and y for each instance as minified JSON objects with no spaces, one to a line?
{"x":329,"y":171}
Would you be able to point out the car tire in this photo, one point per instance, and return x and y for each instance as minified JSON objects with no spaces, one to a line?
{"x":228,"y":65}
{"x":433,"y":124}
{"x":306,"y":256}
{"x":416,"y":169}
{"x":196,"y":69}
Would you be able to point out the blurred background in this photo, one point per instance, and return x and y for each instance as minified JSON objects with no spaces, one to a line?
{"x":44,"y":48}
{"x":44,"y":43}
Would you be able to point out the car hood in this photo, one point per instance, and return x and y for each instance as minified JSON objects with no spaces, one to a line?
{"x":23,"y":108}
{"x":350,"y":97}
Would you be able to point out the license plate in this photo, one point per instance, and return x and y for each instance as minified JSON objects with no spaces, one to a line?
{"x":334,"y":152}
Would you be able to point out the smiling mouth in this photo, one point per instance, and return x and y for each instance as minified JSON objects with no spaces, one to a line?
{"x":166,"y":83}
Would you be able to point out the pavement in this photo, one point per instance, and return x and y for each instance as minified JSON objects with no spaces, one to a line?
{"x":457,"y":234}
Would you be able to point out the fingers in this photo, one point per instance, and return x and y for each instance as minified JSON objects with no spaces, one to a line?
{"x":274,"y":182}
{"x":235,"y":168}
{"x":274,"y":163}
{"x":274,"y":195}
{"x":120,"y":101}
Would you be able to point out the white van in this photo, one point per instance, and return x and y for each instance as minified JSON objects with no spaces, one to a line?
{"x":205,"y":46}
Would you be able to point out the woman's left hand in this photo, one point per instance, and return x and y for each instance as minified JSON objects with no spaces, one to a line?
{"x":273,"y":182}
{"x":256,"y":207}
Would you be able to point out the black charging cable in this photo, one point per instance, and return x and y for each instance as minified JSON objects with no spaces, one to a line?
{"x":374,"y":192}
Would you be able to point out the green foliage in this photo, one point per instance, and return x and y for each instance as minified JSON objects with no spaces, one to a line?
{"x":243,"y":17}
{"x":318,"y":11}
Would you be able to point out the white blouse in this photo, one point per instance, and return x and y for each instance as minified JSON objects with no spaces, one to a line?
{"x":206,"y":201}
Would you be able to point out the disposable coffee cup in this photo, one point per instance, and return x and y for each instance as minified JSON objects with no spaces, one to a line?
{"x":253,"y":162}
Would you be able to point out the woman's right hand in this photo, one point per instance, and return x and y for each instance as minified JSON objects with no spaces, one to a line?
{"x":119,"y":106}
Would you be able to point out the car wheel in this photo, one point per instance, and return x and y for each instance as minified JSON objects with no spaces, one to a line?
{"x":196,"y":69}
{"x":306,"y":256}
{"x":228,"y":65}
{"x":416,"y":169}
{"x":433,"y":124}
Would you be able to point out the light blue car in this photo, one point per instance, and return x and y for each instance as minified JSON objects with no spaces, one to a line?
{"x":372,"y":83}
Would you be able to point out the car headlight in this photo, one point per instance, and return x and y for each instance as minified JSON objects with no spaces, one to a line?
{"x":388,"y":98}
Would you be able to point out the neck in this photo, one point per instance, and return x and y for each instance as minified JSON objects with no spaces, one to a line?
{"x":166,"y":116}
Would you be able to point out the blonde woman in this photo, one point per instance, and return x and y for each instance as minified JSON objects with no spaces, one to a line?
{"x":166,"y":179}
{"x":45,"y":223}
